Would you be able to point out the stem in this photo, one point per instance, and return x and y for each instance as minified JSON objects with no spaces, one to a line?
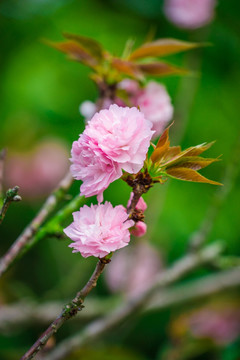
{"x":98,"y":328}
{"x":68,"y":311}
{"x":26,"y":236}
{"x":11,"y":195}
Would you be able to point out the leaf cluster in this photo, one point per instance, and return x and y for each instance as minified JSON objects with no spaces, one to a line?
{"x":136,"y":64}
{"x":167,"y":161}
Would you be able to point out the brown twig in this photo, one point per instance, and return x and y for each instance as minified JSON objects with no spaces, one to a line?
{"x":68,"y":311}
{"x":33,"y":227}
{"x":114,"y":318}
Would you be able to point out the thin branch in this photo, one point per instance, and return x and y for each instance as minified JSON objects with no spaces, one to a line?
{"x":27,"y":313}
{"x":114,"y":318}
{"x":11,"y":195}
{"x":22,"y":313}
{"x":23,"y":240}
{"x":195,"y":290}
{"x":68,"y":311}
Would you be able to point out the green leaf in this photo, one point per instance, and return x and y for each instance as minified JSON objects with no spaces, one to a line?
{"x":162,"y":47}
{"x":182,"y":173}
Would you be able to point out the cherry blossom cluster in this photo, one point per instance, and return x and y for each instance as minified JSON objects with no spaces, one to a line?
{"x":114,"y":140}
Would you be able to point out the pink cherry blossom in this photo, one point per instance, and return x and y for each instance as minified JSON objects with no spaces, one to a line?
{"x":99,"y":230}
{"x":123,"y":134}
{"x":190,"y":14}
{"x":139,"y":229}
{"x":114,"y":140}
{"x":141,"y":205}
{"x":155,"y":103}
{"x":93,"y":167}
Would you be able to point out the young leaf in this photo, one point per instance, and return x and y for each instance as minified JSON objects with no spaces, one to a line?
{"x":127,"y":68}
{"x":192,"y":151}
{"x":161,"y":69}
{"x":193,"y":162}
{"x":182,"y":173}
{"x":161,"y":47}
{"x":90,"y":45}
{"x":162,"y":146}
{"x":74,"y":52}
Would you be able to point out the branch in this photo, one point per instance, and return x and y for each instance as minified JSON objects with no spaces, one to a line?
{"x":22,"y":313}
{"x":26,"y":313}
{"x":99,"y":327}
{"x":195,"y":290}
{"x":11,"y":195}
{"x":53,"y":227}
{"x":68,"y":311}
{"x":23,"y":240}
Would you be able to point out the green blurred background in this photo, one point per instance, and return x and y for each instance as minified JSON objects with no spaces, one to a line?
{"x":40,"y":95}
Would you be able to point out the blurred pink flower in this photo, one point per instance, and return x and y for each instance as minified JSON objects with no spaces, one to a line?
{"x":37,"y":172}
{"x":189,"y":14}
{"x":153,"y":100}
{"x":141,"y":205}
{"x":220,"y":325}
{"x":114,"y":139}
{"x":133,"y":270}
{"x":139,"y":229}
{"x":99,"y":230}
{"x":155,"y":104}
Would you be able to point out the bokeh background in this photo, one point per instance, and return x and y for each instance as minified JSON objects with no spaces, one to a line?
{"x":40,"y":95}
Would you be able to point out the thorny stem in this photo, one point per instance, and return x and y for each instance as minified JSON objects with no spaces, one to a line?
{"x":26,"y":236}
{"x":11,"y":195}
{"x":68,"y":311}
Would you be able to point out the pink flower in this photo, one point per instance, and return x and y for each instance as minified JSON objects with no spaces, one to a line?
{"x":133,"y":270}
{"x":38,"y":170}
{"x":153,"y":100}
{"x":93,"y":167}
{"x":113,"y":140}
{"x":123,"y":134}
{"x":139,"y":229}
{"x":190,"y":14}
{"x":141,"y":205}
{"x":156,"y":106}
{"x":99,"y":230}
